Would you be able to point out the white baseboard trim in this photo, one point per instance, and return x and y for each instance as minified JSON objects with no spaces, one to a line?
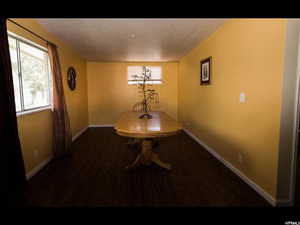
{"x":256,"y":187}
{"x":102,"y":125}
{"x":36,"y":169}
{"x":79,"y":133}
{"x":45,"y":162}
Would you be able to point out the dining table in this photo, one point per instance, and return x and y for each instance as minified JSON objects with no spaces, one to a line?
{"x":145,"y":132}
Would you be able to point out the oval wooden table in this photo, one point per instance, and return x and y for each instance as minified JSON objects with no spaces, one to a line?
{"x":145,"y":130}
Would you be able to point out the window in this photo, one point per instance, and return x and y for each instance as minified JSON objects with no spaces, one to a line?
{"x":31,"y":77}
{"x":138,"y":70}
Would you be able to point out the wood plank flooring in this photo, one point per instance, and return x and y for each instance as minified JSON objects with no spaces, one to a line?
{"x":94,"y":175}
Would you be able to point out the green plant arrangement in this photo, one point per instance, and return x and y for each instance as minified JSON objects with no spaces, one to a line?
{"x":148,"y":95}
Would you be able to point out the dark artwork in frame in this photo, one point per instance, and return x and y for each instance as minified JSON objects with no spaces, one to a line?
{"x":71,"y":78}
{"x":205,"y":71}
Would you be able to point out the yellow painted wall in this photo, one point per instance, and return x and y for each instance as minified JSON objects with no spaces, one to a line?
{"x":247,"y":56}
{"x":35,"y":130}
{"x":110,"y":94}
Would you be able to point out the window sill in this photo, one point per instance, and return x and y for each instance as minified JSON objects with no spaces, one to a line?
{"x":147,"y":83}
{"x":33,"y":111}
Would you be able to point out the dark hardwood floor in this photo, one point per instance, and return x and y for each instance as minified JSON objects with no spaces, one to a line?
{"x":94,"y":175}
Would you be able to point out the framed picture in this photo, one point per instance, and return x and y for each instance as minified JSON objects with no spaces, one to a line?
{"x":205,"y":71}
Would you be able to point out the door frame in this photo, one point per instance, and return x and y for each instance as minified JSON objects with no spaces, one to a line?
{"x":289,"y":121}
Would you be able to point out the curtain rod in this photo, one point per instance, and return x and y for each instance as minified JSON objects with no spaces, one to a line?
{"x":29,"y":31}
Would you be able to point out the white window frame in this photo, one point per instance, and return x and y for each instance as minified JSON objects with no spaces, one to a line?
{"x":24,"y":111}
{"x":152,"y":81}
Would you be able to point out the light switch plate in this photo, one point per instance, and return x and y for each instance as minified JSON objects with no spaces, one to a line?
{"x":242,"y":97}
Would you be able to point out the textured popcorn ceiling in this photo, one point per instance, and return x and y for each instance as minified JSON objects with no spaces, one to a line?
{"x":132,"y":39}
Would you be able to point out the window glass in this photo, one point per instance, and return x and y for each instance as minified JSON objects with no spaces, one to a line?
{"x":15,"y":73}
{"x":35,"y":78}
{"x":138,"y":70}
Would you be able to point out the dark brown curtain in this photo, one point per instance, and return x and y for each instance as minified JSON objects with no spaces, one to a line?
{"x":10,"y":142}
{"x":62,"y":137}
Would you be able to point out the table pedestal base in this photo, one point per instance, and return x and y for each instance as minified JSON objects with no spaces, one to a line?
{"x":148,"y":157}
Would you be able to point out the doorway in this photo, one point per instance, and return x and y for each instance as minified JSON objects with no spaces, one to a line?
{"x":288,"y":182}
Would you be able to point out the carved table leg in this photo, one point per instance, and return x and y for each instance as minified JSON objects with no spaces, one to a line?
{"x":156,"y":160}
{"x":147,"y":157}
{"x":136,"y":163}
